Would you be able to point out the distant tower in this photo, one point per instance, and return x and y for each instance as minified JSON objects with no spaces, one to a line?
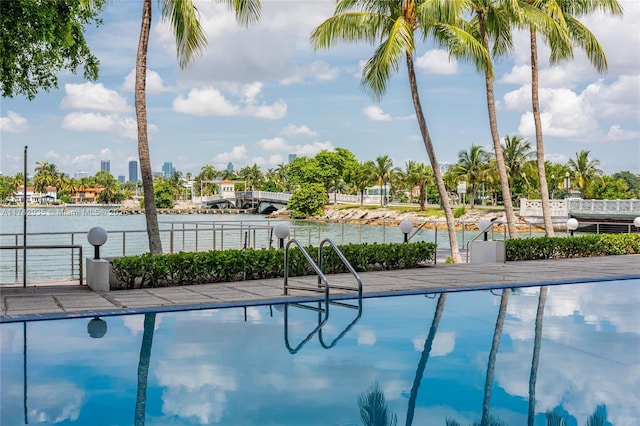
{"x":230,"y":166}
{"x":133,"y":171}
{"x":167,"y":169}
{"x":80,"y":175}
{"x":105,"y":165}
{"x":292,"y":157}
{"x":121,"y":178}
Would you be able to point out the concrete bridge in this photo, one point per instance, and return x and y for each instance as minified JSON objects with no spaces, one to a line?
{"x":614,"y":212}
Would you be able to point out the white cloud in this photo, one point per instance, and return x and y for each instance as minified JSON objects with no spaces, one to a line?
{"x":95,"y":97}
{"x":580,"y":116}
{"x":316,"y":71}
{"x":13,"y":123}
{"x":274,"y":144}
{"x":210,"y":101}
{"x":154,"y":82}
{"x":124,"y":126}
{"x":437,"y":61}
{"x":237,"y":153}
{"x":375,"y":113}
{"x":293,"y":130}
{"x":105,"y":153}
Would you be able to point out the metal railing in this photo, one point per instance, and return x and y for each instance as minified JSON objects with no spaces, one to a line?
{"x":25,"y":251}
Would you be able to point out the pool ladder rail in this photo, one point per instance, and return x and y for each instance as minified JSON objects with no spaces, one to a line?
{"x":324,"y":287}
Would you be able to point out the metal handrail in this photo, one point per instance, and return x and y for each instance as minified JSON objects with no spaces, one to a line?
{"x":313,"y":264}
{"x":321,"y":323}
{"x":344,"y":261}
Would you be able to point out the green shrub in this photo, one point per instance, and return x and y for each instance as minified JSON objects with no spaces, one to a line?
{"x":184,"y":268}
{"x":460,"y":211}
{"x":307,"y":201}
{"x":564,"y":247}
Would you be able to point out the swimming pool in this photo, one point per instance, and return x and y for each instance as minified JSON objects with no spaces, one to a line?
{"x":427,"y":355}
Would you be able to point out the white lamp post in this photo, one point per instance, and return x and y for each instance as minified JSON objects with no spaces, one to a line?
{"x":282,"y":231}
{"x":484,"y":226}
{"x":572,"y":225}
{"x":97,"y":236}
{"x":405,"y":227}
{"x":636,"y":222}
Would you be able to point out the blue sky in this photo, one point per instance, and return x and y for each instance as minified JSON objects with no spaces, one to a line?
{"x":257,"y":95}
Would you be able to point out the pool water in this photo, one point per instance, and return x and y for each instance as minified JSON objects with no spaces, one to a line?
{"x":441,"y":359}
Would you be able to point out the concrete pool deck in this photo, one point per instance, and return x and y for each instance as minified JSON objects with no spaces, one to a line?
{"x":51,"y":301}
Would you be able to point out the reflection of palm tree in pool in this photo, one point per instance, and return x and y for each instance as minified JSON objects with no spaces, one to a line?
{"x":598,"y":418}
{"x":542,"y":299}
{"x":425,"y":357}
{"x":143,"y":368}
{"x":491,"y":364}
{"x":373,"y":408}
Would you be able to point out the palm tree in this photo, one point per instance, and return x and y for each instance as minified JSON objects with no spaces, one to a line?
{"x":585,"y":170}
{"x":424,"y":175}
{"x":517,"y":154}
{"x":45,"y":175}
{"x":373,"y":408}
{"x":190,"y":40}
{"x":562,"y":32}
{"x":383,"y":169}
{"x":492,"y":19}
{"x":472,"y":165}
{"x":360,"y":177}
{"x":424,"y":357}
{"x":394,"y":24}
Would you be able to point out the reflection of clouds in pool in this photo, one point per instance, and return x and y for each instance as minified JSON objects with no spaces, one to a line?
{"x":581,"y":366}
{"x":55,"y":402}
{"x":366,"y":336}
{"x":135,"y":323}
{"x":194,"y":390}
{"x":443,"y":343}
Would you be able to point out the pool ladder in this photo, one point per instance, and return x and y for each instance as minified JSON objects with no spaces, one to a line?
{"x":323,"y":286}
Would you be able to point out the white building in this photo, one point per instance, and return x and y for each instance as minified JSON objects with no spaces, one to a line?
{"x":34,"y":197}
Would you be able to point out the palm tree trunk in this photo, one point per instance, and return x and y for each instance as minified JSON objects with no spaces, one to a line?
{"x":491,"y":364}
{"x":544,"y":190}
{"x":497,"y":147}
{"x":536,"y":355}
{"x":442,"y":190}
{"x":428,"y":343}
{"x":143,"y":368}
{"x":153,"y":231}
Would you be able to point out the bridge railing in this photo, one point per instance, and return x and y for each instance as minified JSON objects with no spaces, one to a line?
{"x":604,"y":207}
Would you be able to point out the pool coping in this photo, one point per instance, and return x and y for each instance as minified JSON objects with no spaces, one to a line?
{"x":428,"y":280}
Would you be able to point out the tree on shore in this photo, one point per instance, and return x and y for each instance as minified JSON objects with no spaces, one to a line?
{"x":395,"y":24}
{"x":40,"y":39}
{"x":190,"y":41}
{"x":562,"y":32}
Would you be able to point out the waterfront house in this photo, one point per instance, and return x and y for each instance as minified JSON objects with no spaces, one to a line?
{"x":35,"y":197}
{"x":86,"y":195}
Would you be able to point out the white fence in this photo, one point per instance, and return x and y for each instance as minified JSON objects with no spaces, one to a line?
{"x":577,"y":206}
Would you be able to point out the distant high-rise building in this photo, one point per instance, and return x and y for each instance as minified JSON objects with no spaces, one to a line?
{"x":158,"y":175}
{"x":445,"y":166}
{"x":133,"y":171}
{"x":121,"y":178}
{"x":230,"y":166}
{"x":167,"y":169}
{"x":292,"y":157}
{"x":80,"y":175}
{"x":105,"y":165}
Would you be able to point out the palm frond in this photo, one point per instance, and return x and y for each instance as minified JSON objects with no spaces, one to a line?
{"x":385,"y":60}
{"x":247,"y":11}
{"x":184,"y":20}
{"x":585,"y":39}
{"x":349,"y":26}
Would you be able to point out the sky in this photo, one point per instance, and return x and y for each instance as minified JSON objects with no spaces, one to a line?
{"x":258,"y":94}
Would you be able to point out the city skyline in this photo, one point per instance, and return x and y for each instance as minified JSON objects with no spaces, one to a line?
{"x":258,"y":95}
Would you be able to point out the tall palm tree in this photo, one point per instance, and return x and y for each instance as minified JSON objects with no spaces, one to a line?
{"x":190,"y":41}
{"x":584,"y":169}
{"x":493,"y":22}
{"x":562,"y":33}
{"x":472,"y":165}
{"x":394,"y":23}
{"x":45,"y":175}
{"x":361,"y":176}
{"x":425,"y":178}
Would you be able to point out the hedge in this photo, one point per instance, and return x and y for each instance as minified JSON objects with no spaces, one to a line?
{"x":565,"y":247}
{"x":185,"y":268}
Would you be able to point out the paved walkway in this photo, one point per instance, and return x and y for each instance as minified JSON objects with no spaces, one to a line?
{"x":65,"y":301}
